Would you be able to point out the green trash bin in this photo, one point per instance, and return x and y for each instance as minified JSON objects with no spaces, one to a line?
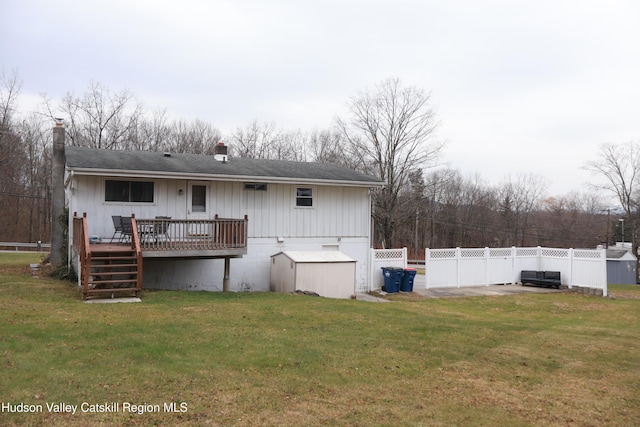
{"x":407,"y":280}
{"x":392,"y":279}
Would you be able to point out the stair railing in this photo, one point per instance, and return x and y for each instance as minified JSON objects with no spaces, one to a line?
{"x":81,"y":245}
{"x":135,"y":245}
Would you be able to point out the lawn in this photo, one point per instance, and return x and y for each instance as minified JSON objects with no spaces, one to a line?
{"x":276,"y":359}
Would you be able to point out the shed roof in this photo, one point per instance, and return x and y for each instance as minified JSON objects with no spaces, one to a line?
{"x":619,"y":254}
{"x":94,"y":161}
{"x":316,"y":256}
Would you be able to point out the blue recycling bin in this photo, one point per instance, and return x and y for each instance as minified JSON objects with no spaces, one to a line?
{"x":407,"y":280}
{"x":392,"y":279}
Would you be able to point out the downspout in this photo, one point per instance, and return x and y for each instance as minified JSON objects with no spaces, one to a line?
{"x":57,"y":197}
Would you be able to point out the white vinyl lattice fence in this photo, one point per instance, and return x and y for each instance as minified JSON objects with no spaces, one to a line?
{"x":488,"y":266}
{"x":385,"y":258}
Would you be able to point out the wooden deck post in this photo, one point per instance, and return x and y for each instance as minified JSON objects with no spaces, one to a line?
{"x":225,"y":280}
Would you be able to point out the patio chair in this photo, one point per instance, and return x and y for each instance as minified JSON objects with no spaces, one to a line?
{"x":117,"y":225}
{"x":161,"y":228}
{"x":127,"y":229}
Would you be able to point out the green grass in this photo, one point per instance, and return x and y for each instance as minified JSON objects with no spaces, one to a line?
{"x":275,"y":359}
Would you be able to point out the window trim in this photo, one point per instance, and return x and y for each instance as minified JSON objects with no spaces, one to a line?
{"x":205,"y":207}
{"x":296,"y":197}
{"x":129,"y":180}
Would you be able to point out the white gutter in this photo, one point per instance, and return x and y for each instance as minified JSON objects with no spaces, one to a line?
{"x":220,"y":177}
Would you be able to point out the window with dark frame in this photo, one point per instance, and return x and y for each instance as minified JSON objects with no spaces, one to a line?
{"x":198,"y":198}
{"x":128,"y":191}
{"x":304,"y":197}
{"x":256,"y":186}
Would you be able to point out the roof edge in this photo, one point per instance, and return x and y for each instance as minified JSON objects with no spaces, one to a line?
{"x":221,"y":177}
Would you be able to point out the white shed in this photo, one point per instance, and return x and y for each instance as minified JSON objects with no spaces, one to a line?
{"x":328,"y":273}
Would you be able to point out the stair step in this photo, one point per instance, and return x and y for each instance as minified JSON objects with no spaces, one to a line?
{"x":101,"y":282}
{"x":114,"y":273}
{"x":112,"y":265}
{"x":112,"y":258}
{"x":112,"y":290}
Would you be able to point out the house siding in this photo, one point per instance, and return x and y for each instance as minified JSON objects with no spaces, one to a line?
{"x":339,"y":219}
{"x":337,"y":211}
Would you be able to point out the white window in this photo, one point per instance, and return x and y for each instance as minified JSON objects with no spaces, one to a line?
{"x":304,"y":197}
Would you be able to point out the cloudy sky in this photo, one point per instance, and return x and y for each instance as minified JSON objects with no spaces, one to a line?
{"x":518,"y":86}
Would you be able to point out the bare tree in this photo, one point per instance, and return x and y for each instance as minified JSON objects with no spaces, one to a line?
{"x":10,"y":87}
{"x":256,"y":140}
{"x":266,"y":141}
{"x":519,"y":197}
{"x":196,"y":137}
{"x":155,"y":131}
{"x":98,"y":118}
{"x":36,"y":142}
{"x":573,"y":220}
{"x":390,"y":132}
{"x":292,"y":147}
{"x":329,"y":146}
{"x":619,"y":167}
{"x":12,"y":158}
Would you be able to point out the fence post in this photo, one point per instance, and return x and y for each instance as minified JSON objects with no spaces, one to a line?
{"x":458,"y":256}
{"x":370,"y":273}
{"x":486,"y":266}
{"x":427,"y":268}
{"x":603,"y":277}
{"x":570,"y":279}
{"x":514,"y":273}
{"x":539,"y":257}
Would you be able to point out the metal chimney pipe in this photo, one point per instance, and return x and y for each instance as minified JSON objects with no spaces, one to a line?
{"x":57,"y":197}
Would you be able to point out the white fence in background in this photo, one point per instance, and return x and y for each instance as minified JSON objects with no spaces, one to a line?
{"x":489,"y":266}
{"x":385,"y":258}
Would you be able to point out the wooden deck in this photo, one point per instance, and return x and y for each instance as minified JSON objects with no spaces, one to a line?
{"x":151,"y":252}
{"x":116,"y":267}
{"x":217,"y":238}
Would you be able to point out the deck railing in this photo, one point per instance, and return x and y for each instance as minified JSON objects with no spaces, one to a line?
{"x":164,"y":234}
{"x":82,"y":246}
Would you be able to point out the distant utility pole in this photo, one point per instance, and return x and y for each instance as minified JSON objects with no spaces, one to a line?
{"x":606,"y":245}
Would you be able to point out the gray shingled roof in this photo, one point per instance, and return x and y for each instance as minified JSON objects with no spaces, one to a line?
{"x":81,"y":158}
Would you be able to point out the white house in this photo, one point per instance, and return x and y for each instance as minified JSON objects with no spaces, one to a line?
{"x":222,"y":217}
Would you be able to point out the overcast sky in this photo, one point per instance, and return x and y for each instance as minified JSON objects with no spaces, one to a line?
{"x":518,"y":86}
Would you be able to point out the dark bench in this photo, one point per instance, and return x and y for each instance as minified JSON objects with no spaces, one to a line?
{"x":540,"y":278}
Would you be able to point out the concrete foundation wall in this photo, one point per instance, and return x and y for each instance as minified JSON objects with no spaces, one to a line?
{"x":251,"y":272}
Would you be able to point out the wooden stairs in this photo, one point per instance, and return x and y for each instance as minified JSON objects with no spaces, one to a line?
{"x":107,"y":270}
{"x":113,"y":270}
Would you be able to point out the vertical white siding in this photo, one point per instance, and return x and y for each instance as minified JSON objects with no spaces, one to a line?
{"x":339,"y":217}
{"x":336,"y":211}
